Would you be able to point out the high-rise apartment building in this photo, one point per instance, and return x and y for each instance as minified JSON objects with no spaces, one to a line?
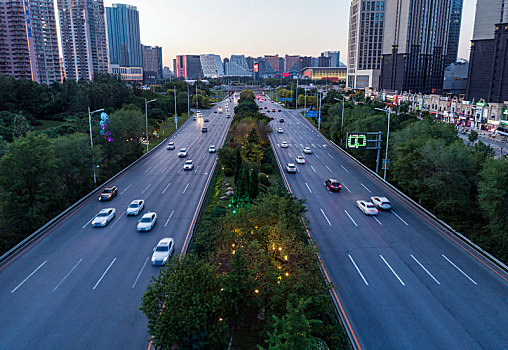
{"x":454,"y":32}
{"x":305,"y":62}
{"x":152,"y":64}
{"x":334,"y":57}
{"x":28,"y":40}
{"x":273,"y":63}
{"x":488,"y":63}
{"x":189,"y":67}
{"x":366,"y":25}
{"x":292,"y":64}
{"x":250,"y":62}
{"x":324,"y":62}
{"x":123,"y":36}
{"x":237,"y":67}
{"x":415,"y":45}
{"x":211,"y":66}
{"x":240,"y":61}
{"x":83,"y":35}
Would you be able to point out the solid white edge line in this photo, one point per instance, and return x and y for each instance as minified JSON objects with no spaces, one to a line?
{"x":146,"y":188}
{"x":358,"y":270}
{"x":386,"y":262}
{"x":170,"y":216}
{"x":104,"y":274}
{"x":345,"y":211}
{"x":30,"y":275}
{"x":185,"y":189}
{"x":308,"y":188}
{"x":140,"y":271}
{"x":329,"y":223}
{"x":365,"y":187}
{"x":458,"y":268}
{"x":67,"y":275}
{"x":126,"y":188}
{"x":169,"y":184}
{"x":394,"y":213}
{"x":423,"y":267}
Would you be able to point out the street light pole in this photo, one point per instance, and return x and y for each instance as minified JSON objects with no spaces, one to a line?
{"x":188,"y":102}
{"x":319,"y":111}
{"x":146,"y":121}
{"x":342,"y":118}
{"x":389,"y":114}
{"x":91,"y":142}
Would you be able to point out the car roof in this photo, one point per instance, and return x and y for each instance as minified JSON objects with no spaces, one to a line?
{"x":137,"y":201}
{"x":188,"y":161}
{"x":165,"y":241}
{"x":148,"y":213}
{"x":183,"y":149}
{"x":291,"y":164}
{"x":110,"y":187}
{"x":299,"y":156}
{"x":382,"y":199}
{"x":105,"y":210}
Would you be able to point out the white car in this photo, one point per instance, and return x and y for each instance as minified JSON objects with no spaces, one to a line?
{"x":103,"y":217}
{"x":171,"y":145}
{"x":212,"y":149}
{"x":183,"y":152}
{"x":307,"y":150}
{"x":284,"y":144}
{"x":280,"y":131}
{"x":147,"y":221}
{"x":291,"y":168}
{"x":300,"y":159}
{"x":367,"y":207}
{"x":163,"y":251}
{"x":381,"y":202}
{"x":188,"y":165}
{"x":135,"y":207}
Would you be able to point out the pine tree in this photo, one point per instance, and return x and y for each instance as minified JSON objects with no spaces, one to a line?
{"x":254,"y":182}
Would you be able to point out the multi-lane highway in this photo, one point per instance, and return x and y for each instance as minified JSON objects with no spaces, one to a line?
{"x":401,"y":280}
{"x":80,"y":287}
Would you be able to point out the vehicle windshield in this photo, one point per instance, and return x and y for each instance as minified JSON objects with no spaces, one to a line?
{"x":134,"y":205}
{"x":188,"y":162}
{"x":370,"y":206}
{"x":108,"y":191}
{"x":162,"y":249}
{"x":146,"y":219}
{"x":102,"y":214}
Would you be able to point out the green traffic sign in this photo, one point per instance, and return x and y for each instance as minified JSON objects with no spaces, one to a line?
{"x":356,"y":140}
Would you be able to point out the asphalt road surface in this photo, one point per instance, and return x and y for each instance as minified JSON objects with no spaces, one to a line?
{"x":80,"y":287}
{"x":402,"y":281}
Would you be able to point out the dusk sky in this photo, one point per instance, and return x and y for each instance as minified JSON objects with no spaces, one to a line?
{"x":255,"y":28}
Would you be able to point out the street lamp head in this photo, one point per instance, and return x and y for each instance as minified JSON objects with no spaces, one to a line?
{"x":99,"y":110}
{"x":152,"y":100}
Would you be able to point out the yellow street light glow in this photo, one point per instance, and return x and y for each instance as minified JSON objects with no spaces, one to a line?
{"x":285,"y":257}
{"x":234,"y":251}
{"x":256,"y":291}
{"x":280,"y":248}
{"x":287,"y":274}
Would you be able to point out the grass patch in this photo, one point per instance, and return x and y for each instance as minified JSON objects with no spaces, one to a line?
{"x":166,"y":128}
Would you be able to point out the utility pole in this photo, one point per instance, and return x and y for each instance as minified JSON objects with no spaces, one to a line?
{"x":296,"y":93}
{"x":319,"y":112}
{"x":389,"y":114}
{"x":305,"y":103}
{"x":176,"y":114}
{"x":188,"y":102}
{"x":196,"y":94}
{"x":146,"y":120}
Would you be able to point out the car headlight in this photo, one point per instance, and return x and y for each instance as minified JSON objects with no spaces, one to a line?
{"x":165,"y":259}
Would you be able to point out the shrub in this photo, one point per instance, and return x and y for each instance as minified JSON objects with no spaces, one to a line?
{"x":228,"y":172}
{"x":267,"y":169}
{"x":263,"y":179}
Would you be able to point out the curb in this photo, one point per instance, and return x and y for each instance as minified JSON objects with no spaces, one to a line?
{"x":24,"y":243}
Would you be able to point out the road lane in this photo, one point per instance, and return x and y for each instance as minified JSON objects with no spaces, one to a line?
{"x":93,"y":278}
{"x":402,"y":306}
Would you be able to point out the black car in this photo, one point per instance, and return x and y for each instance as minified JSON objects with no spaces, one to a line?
{"x":333,"y":185}
{"x":204,"y":130}
{"x":279,"y":110}
{"x":281,"y":120}
{"x":109,"y":193}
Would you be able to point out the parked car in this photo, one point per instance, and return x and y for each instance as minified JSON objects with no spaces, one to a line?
{"x":108,"y":193}
{"x":135,"y":207}
{"x":381,"y":203}
{"x":103,"y":217}
{"x":333,"y":185}
{"x":147,"y":221}
{"x":163,"y":251}
{"x":367,"y":207}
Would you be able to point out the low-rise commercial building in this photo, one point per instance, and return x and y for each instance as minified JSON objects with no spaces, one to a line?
{"x":328,"y":73}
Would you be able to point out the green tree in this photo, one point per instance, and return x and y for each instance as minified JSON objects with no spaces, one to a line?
{"x":254,"y":182}
{"x":184,"y":306}
{"x":28,"y":183}
{"x":473,"y":136}
{"x":20,"y":126}
{"x":493,"y":191}
{"x":292,"y":331}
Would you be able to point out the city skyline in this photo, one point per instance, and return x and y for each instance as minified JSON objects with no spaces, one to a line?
{"x":275,"y":29}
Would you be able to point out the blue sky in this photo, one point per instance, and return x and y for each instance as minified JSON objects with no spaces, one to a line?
{"x":255,"y":28}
